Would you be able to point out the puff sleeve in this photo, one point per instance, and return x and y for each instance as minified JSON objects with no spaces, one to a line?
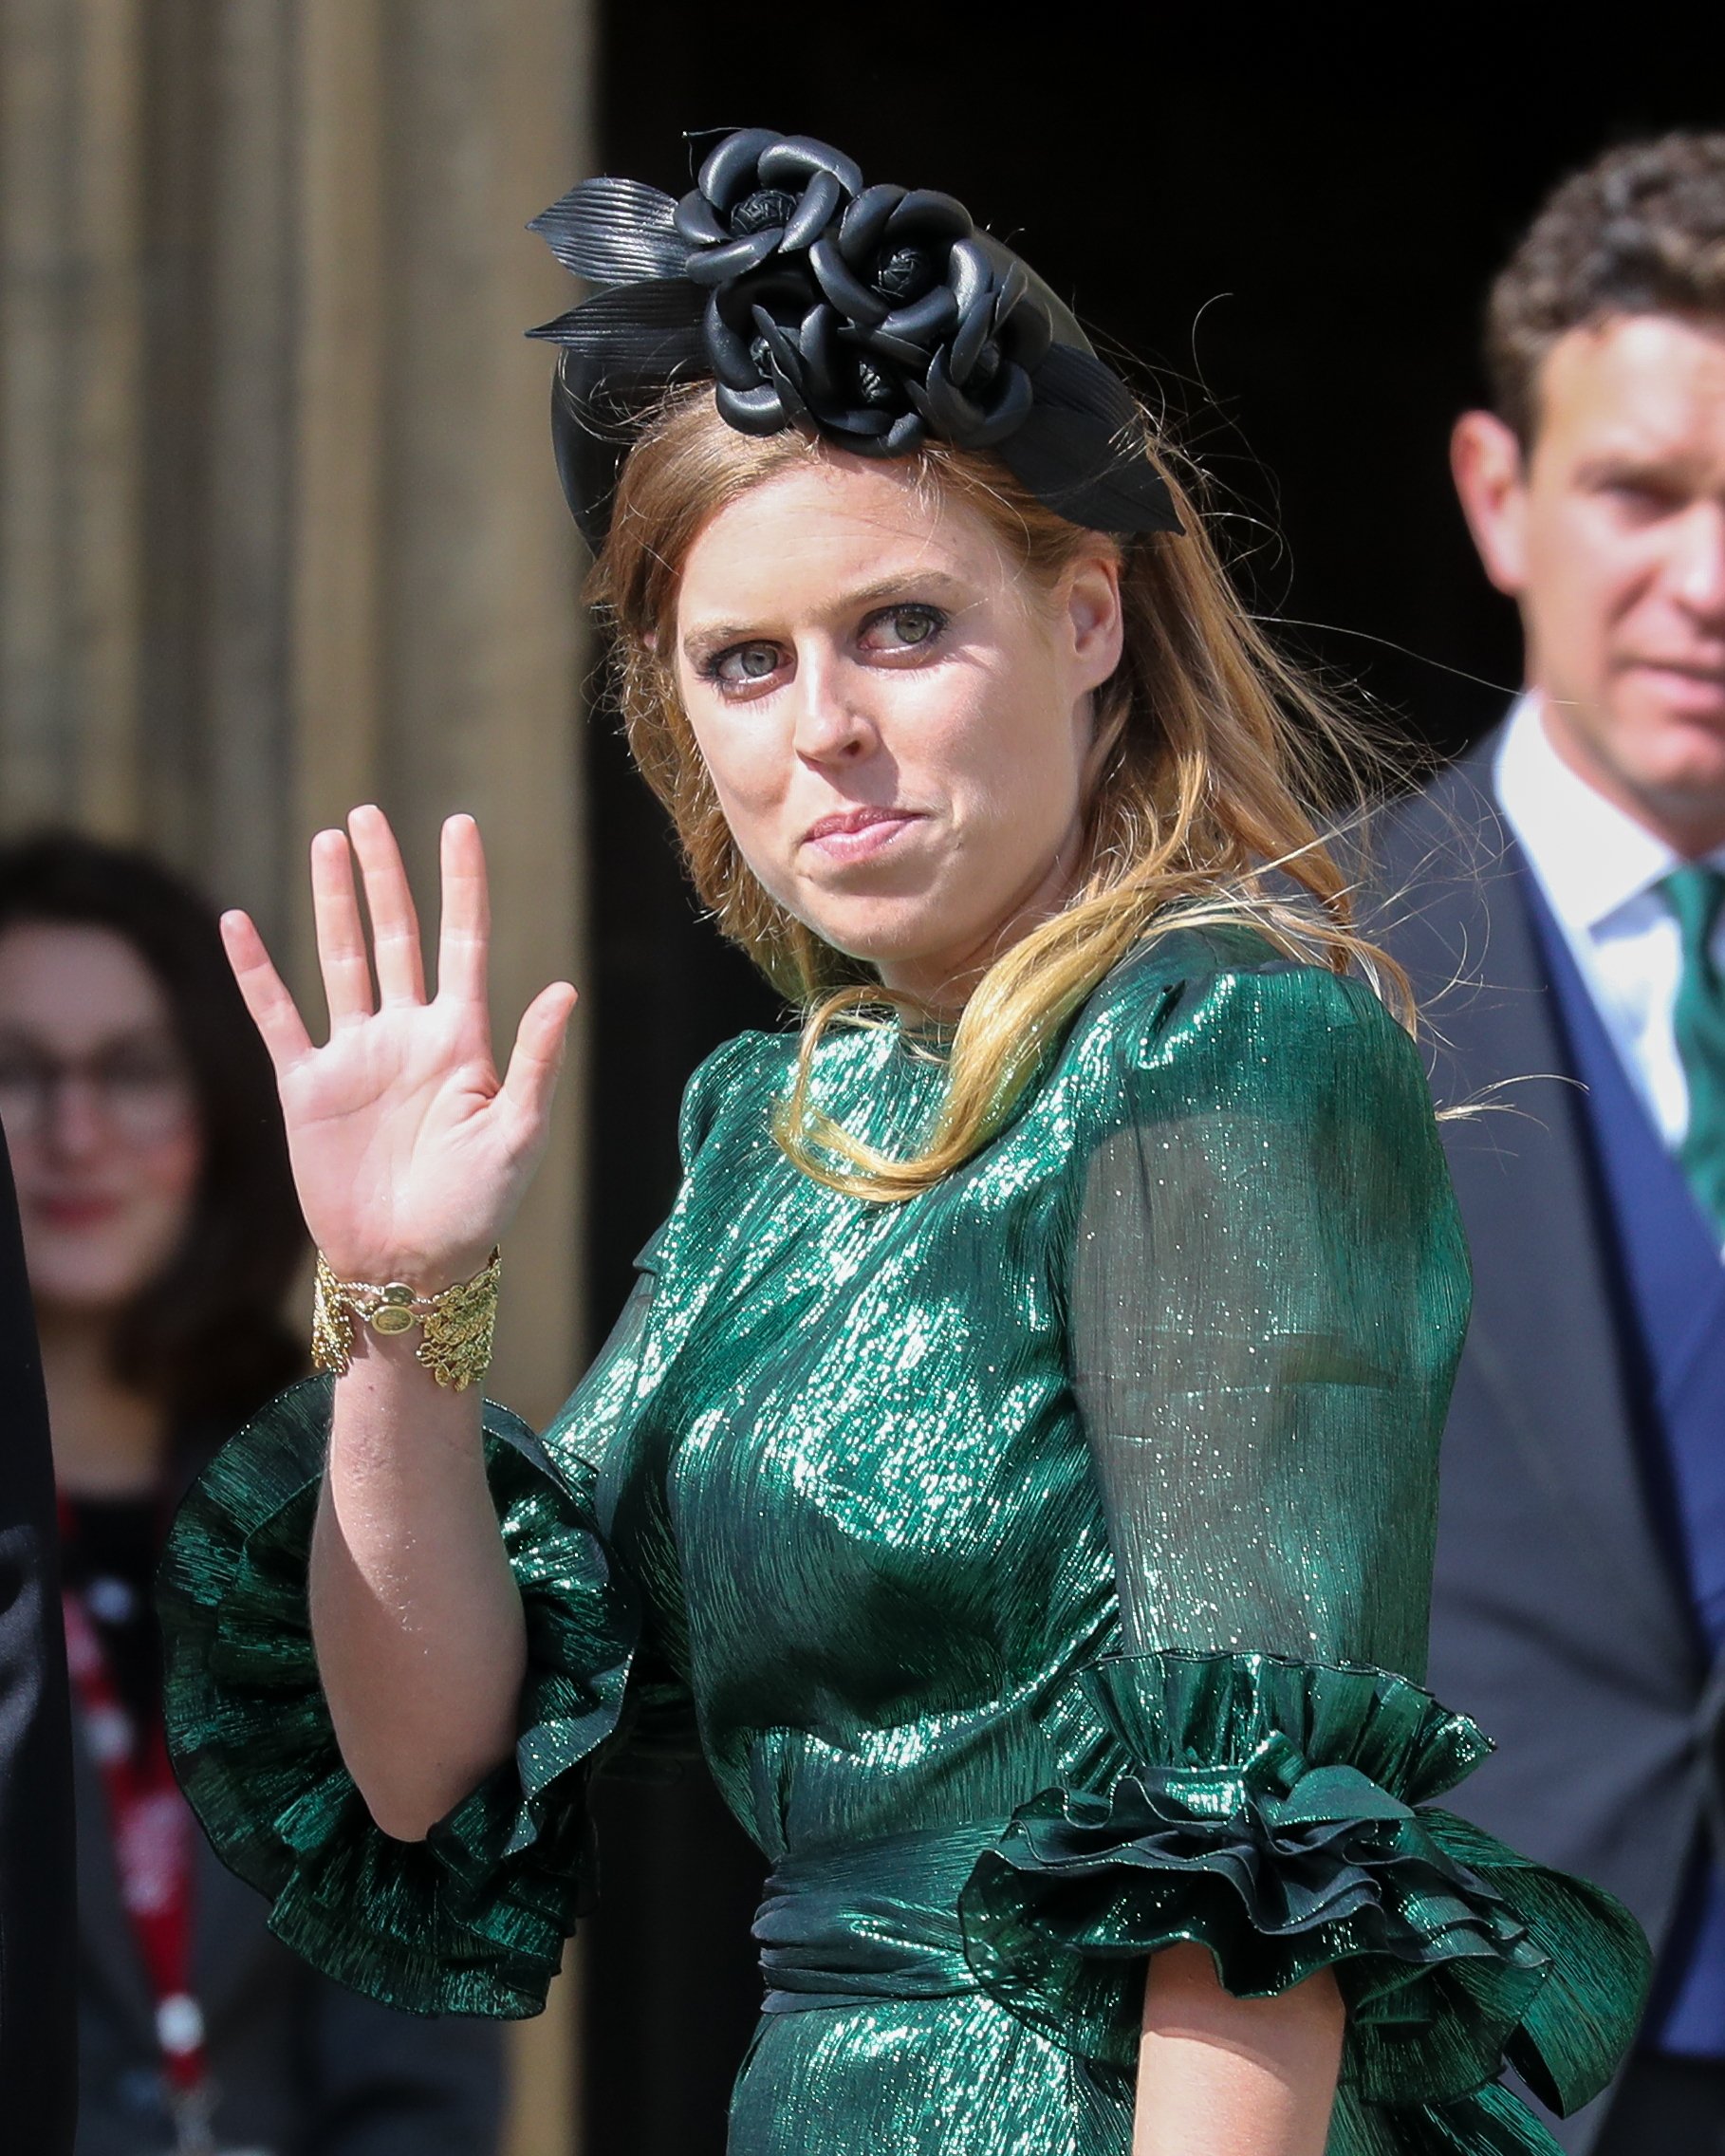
{"x":472,"y":1919}
{"x":1267,"y":1290}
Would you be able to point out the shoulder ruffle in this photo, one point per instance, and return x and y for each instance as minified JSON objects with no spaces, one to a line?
{"x":471,"y":1920}
{"x":1273,"y":1812}
{"x":1178,"y":1023}
{"x":1235,"y":981}
{"x":752,"y":1062}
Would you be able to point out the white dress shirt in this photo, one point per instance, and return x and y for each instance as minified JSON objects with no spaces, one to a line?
{"x":1599,"y":870}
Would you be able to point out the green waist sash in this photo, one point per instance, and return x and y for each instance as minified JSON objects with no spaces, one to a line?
{"x":869,"y":1921}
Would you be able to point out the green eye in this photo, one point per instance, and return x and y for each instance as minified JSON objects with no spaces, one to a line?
{"x":743,"y":663}
{"x":903,"y":629}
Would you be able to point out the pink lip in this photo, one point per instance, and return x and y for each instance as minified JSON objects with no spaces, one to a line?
{"x":853,"y":833}
{"x":1688,"y":686}
{"x":77,"y":1212}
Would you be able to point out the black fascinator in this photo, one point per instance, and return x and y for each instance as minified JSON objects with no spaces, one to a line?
{"x":878,"y":317}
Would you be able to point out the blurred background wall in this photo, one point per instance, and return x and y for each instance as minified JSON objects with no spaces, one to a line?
{"x":279,"y":532}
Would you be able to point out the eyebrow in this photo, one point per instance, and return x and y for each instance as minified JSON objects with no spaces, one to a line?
{"x":1641,"y":453}
{"x":147,"y":1033}
{"x":705,"y":636}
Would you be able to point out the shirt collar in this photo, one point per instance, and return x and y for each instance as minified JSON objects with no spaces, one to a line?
{"x":1591,"y":858}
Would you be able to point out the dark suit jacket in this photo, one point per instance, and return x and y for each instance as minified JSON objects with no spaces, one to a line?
{"x":303,"y":2065}
{"x":1558,"y":1619}
{"x":38,"y":2062}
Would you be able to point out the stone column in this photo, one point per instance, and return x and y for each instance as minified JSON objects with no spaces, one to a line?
{"x":72,"y":338}
{"x":279,"y":527}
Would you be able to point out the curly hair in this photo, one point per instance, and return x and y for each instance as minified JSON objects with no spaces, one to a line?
{"x":1641,"y":231}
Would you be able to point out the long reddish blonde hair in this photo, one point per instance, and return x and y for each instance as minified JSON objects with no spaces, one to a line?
{"x":1218,"y":766}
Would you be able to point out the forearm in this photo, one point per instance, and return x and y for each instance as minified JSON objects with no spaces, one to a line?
{"x":410,"y":1157}
{"x":416,"y":1620}
{"x":1225,"y":2076}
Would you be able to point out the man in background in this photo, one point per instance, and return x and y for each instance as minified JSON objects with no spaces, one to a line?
{"x":38,"y":1903}
{"x":1568,"y":874}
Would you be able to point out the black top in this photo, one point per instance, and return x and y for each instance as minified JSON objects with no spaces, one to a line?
{"x":38,"y":1937}
{"x":108,"y":1557}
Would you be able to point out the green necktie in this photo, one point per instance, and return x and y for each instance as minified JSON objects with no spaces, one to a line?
{"x":1694,"y":894}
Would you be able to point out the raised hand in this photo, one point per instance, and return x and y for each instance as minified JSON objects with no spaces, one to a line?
{"x":408,"y":1153}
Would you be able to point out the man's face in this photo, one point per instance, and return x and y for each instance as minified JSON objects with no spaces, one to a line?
{"x":1610,"y":534}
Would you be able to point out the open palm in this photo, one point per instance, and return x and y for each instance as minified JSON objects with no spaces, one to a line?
{"x":409,"y":1154}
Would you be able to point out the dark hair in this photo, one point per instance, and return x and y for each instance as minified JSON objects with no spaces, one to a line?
{"x":205,"y":1338}
{"x":1642,"y":231}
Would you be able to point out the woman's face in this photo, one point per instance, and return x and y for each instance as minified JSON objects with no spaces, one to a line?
{"x":100,"y":1115}
{"x":895,"y":721}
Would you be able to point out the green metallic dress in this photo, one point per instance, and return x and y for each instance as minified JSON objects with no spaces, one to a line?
{"x":1042,"y":1565}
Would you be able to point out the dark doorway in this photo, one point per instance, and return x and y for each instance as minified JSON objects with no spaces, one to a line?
{"x":1292,"y":224}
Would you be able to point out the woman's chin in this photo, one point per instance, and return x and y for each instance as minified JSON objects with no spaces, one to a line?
{"x":879,"y":941}
{"x":82,"y":1297}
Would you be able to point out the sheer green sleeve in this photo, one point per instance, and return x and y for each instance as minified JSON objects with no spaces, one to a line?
{"x":1267,"y":1290}
{"x":471,"y":1920}
{"x":1267,"y":1294}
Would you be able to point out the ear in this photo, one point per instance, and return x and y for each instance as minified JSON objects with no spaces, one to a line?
{"x":1491,"y":477}
{"x":1094,"y":618}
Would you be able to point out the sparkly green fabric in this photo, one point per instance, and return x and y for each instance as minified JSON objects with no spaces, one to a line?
{"x":1043,"y":1567}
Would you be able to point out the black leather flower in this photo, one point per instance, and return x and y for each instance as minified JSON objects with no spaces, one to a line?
{"x":757,"y":195}
{"x":877,"y":316}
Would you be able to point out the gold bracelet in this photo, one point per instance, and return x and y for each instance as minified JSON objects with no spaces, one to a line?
{"x":456,"y":1325}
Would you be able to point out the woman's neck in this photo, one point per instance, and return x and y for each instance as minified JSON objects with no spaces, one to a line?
{"x":109,"y":1440}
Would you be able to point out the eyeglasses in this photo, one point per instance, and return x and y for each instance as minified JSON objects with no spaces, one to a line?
{"x":140,"y":1090}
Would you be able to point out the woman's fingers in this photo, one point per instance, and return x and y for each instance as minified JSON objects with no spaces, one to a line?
{"x":395,"y":925}
{"x":540,"y":1041}
{"x":273,"y":1010}
{"x":335,"y":906}
{"x":464,"y":932}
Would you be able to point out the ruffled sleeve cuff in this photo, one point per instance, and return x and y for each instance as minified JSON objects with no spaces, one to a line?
{"x":1274,"y":1812}
{"x":471,"y":1920}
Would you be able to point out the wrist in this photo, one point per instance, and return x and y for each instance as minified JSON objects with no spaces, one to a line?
{"x":454,"y":1324}
{"x":428,"y":1271}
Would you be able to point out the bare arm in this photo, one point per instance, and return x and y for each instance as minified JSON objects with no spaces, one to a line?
{"x":1225,"y":2076}
{"x":413,"y":1612}
{"x":410,"y":1157}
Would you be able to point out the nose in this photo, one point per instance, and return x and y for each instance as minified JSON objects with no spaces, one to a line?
{"x":831,"y":722}
{"x":1699,"y":564}
{"x":73,"y":1123}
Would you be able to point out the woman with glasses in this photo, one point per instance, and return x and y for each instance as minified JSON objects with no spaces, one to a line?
{"x":160,"y":1236}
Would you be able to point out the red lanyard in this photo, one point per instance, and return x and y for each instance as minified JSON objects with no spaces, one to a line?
{"x":152,"y":1833}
